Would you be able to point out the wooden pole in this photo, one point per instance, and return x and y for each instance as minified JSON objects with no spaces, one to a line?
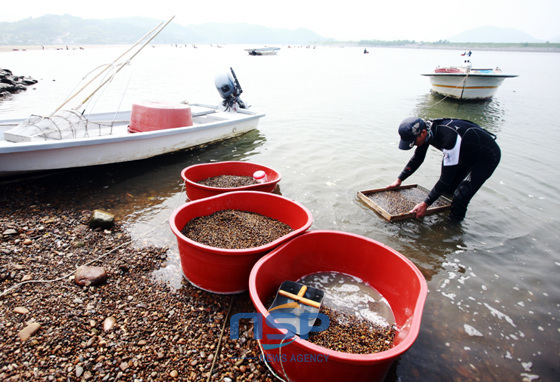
{"x":111,"y":64}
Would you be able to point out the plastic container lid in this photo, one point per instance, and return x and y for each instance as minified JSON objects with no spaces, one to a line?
{"x":259,"y":175}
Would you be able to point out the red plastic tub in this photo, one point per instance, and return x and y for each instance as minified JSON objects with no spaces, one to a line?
{"x":226,"y":271}
{"x":149,"y":116}
{"x":390,"y":273}
{"x":195,"y":173}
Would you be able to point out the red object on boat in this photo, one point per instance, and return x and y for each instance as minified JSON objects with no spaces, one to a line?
{"x":386,"y":270}
{"x":226,"y":271}
{"x":149,"y":116}
{"x":449,"y":70}
{"x":195,"y":173}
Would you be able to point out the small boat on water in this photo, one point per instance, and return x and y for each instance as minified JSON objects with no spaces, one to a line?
{"x":73,"y":138}
{"x":267,"y":51}
{"x":106,"y":138}
{"x":467,"y":83}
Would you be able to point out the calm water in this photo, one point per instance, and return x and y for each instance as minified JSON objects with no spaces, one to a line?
{"x":352,"y":296}
{"x":492,"y":311}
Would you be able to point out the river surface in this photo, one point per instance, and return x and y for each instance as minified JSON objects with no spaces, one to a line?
{"x":493,"y":307}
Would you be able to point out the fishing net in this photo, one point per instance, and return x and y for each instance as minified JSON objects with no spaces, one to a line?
{"x":66,"y":124}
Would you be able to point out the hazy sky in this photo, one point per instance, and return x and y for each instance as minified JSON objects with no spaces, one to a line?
{"x":420,"y":20}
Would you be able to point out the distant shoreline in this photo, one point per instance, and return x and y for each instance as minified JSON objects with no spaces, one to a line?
{"x":533,"y":49}
{"x":498,"y":47}
{"x":23,"y":48}
{"x":466,"y":46}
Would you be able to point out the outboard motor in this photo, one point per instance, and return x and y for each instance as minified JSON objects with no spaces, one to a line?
{"x":230,"y":90}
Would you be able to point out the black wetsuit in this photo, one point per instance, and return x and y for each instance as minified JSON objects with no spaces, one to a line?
{"x":470,"y":156}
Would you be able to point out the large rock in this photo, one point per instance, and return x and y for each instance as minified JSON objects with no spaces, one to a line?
{"x":90,"y":276}
{"x":101,"y":219}
{"x":28,"y":331}
{"x":13,"y":84}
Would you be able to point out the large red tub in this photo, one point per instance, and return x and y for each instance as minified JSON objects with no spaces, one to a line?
{"x":149,"y":116}
{"x":390,"y":273}
{"x":226,"y":271}
{"x":195,"y":173}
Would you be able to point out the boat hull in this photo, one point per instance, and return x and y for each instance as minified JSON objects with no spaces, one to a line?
{"x":465,"y":86}
{"x":122,"y":146}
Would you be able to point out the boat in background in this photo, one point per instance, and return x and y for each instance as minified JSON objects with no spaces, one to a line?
{"x":262,"y":51}
{"x":467,"y":83}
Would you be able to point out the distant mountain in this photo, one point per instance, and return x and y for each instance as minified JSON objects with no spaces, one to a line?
{"x":493,"y":34}
{"x":71,"y":30}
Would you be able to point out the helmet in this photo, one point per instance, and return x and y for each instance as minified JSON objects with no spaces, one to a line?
{"x":409,"y":130}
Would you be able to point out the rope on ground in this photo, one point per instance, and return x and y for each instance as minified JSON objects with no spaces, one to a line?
{"x":217,"y":352}
{"x":15,"y":286}
{"x":270,"y":368}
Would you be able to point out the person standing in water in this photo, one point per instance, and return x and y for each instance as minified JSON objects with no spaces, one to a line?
{"x":470,"y":156}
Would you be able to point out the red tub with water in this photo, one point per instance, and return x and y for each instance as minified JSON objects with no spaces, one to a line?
{"x":195,"y":173}
{"x":226,"y":271}
{"x":386,"y":270}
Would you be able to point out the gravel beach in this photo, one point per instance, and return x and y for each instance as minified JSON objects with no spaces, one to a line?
{"x":130,"y":328}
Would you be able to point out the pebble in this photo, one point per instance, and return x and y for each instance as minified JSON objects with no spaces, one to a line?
{"x":109,"y":323}
{"x":91,"y":341}
{"x":88,"y":276}
{"x":347,"y":333}
{"x":101,"y":219}
{"x":21,"y":310}
{"x":175,"y":325}
{"x":28,"y":331}
{"x":235,"y":229}
{"x":228,"y":181}
{"x":402,"y":201}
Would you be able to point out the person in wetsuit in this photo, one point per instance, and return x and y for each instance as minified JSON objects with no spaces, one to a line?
{"x":470,"y":156}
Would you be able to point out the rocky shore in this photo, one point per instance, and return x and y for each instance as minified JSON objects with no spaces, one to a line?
{"x":130,"y":328}
{"x":10,"y":83}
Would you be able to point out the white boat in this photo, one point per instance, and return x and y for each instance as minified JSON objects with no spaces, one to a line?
{"x":210,"y":124}
{"x":467,"y":83}
{"x":262,"y":51}
{"x":68,"y":139}
{"x":74,"y":138}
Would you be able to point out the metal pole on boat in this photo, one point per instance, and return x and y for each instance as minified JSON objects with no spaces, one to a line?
{"x":114,"y":61}
{"x":236,"y":81}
